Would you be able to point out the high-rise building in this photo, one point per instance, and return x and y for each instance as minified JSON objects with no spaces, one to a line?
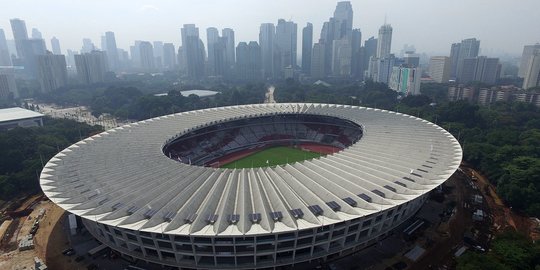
{"x":480,"y":69}
{"x":285,"y":46}
{"x":146,"y":52}
{"x":169,"y":56}
{"x":158,"y":54}
{"x":307,"y":46}
{"x":343,"y":14}
{"x":528,"y":51}
{"x":88,"y":46}
{"x":532,"y":73}
{"x":31,"y":49}
{"x":266,"y":41}
{"x":248,"y":61}
{"x":112,"y":50}
{"x":181,"y":60}
{"x":5,"y":58}
{"x":212,"y":40}
{"x":469,"y":48}
{"x":405,"y":80}
{"x":193,"y":51}
{"x":341,"y":57}
{"x":52,"y":72}
{"x":55,"y":45}
{"x":357,"y":55}
{"x":384,"y":44}
{"x":370,"y":51}
{"x":439,"y":68}
{"x":8,"y":86}
{"x":411,"y":59}
{"x":230,"y":57}
{"x":454,"y":59}
{"x":20,"y":33}
{"x":36,"y":34}
{"x":91,"y":67}
{"x":318,"y":59}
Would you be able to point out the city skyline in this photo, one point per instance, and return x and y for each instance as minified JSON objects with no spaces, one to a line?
{"x":139,"y":20}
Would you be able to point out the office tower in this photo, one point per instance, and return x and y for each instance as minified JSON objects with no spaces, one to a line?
{"x":193,"y":51}
{"x":169,"y":56}
{"x":112,"y":50}
{"x":55,"y":45}
{"x":384,"y":43}
{"x":266,"y":41}
{"x":341,"y":57}
{"x":52,"y":72}
{"x":528,"y":51}
{"x":18,"y":27}
{"x":248,"y":61}
{"x":468,"y":48}
{"x":230,"y":57}
{"x":5,"y":58}
{"x":70,"y":59}
{"x":88,"y":46}
{"x":411,"y":59}
{"x":181,"y":61}
{"x":91,"y":67}
{"x":344,"y":19}
{"x":384,"y":68}
{"x":318,"y":59}
{"x":8,"y":86}
{"x":285,"y":46}
{"x":370,"y":51}
{"x":158,"y":54}
{"x":135,"y":54}
{"x":307,"y":46}
{"x":439,"y":68}
{"x":454,"y":59}
{"x":487,"y":70}
{"x":36,"y":34}
{"x":123,"y":58}
{"x":31,"y":48}
{"x":405,"y":80}
{"x":357,"y":55}
{"x":480,"y":69}
{"x":212,"y":40}
{"x":532,"y":73}
{"x":146,"y":52}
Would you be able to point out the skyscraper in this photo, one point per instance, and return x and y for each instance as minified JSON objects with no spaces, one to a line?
{"x":112,"y":50}
{"x":480,"y":69}
{"x":370,"y":51}
{"x":532,"y":73}
{"x":158,"y":54}
{"x":266,"y":41}
{"x":91,"y":67}
{"x":439,"y":68}
{"x":169,"y":56}
{"x":357,"y":55}
{"x":230,"y":57}
{"x":341,"y":57}
{"x":31,"y":48}
{"x":146,"y":52}
{"x":454,"y":59}
{"x":528,"y":51}
{"x":36,"y":34}
{"x":212,"y":39}
{"x":55,"y":45}
{"x":285,"y":46}
{"x":384,"y":44}
{"x":248,"y":61}
{"x":5,"y":58}
{"x":193,"y":51}
{"x":52,"y":72}
{"x":88,"y":46}
{"x":469,"y":48}
{"x":405,"y":80}
{"x":344,"y":19}
{"x":18,"y":27}
{"x":318,"y":59}
{"x":307,"y":46}
{"x":8,"y":85}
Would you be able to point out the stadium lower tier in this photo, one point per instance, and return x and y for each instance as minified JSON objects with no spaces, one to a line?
{"x":265,"y":251}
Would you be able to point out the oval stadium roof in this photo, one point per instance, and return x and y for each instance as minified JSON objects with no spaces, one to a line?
{"x":122,"y":178}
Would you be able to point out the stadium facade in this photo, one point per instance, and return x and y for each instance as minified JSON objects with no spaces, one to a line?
{"x":150,"y":189}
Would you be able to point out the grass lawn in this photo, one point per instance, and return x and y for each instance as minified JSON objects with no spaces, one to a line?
{"x":275,"y":156}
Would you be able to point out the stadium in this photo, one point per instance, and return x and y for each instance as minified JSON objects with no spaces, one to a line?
{"x":185,"y":190}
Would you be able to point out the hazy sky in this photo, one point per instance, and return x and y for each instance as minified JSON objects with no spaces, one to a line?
{"x":430,"y":25}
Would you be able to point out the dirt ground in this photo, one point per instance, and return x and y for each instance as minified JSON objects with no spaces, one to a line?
{"x":13,"y":259}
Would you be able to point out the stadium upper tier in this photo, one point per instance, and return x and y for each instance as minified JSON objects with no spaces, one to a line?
{"x":211,"y":142}
{"x":122,"y":177}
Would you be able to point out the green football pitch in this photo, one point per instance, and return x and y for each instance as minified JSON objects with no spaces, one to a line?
{"x":271,"y":157}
